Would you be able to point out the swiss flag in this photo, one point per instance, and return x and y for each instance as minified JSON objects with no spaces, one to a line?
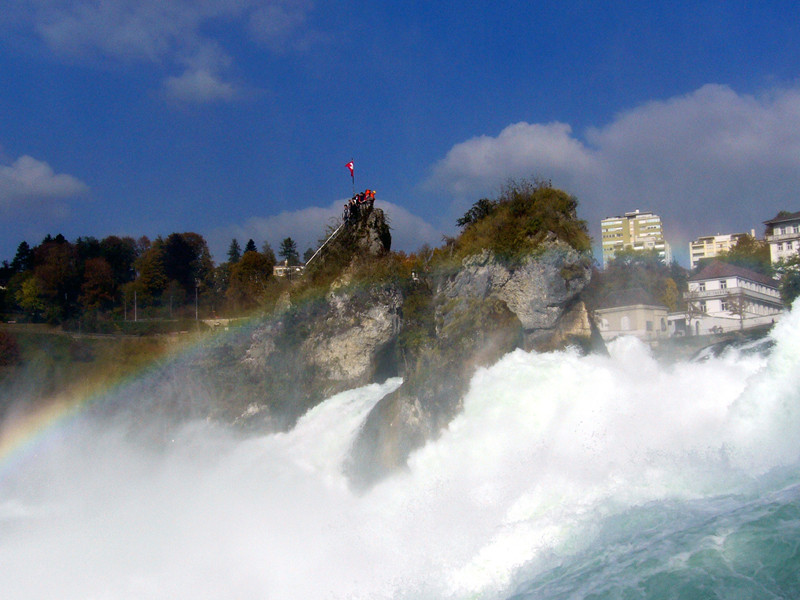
{"x":350,"y":166}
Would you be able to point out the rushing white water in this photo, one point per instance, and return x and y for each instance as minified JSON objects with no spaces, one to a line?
{"x":565,"y":476}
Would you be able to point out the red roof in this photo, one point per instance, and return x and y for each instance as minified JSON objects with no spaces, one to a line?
{"x":782,"y":218}
{"x":718,"y":270}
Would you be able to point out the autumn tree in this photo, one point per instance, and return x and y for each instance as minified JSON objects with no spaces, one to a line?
{"x":57,"y":271}
{"x":640,"y":269}
{"x":120,"y":254}
{"x":248,"y":280}
{"x":98,"y":287}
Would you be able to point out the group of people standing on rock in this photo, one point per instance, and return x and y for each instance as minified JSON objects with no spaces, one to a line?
{"x":352,"y":210}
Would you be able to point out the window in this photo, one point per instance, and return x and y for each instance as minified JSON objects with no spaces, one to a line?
{"x":625,"y":323}
{"x":663,"y":324}
{"x":788,"y":245}
{"x":701,"y":287}
{"x":723,"y":285}
{"x":780,"y":246}
{"x":648,"y":326}
{"x":703,"y":307}
{"x":723,"y":305}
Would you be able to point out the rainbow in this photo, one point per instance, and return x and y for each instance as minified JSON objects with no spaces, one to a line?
{"x":24,"y":436}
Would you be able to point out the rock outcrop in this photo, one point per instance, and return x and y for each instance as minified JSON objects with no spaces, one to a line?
{"x":358,"y":321}
{"x":314,"y":346}
{"x":482,"y":311}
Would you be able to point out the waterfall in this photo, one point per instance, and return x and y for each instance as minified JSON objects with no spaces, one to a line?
{"x":564,"y":476}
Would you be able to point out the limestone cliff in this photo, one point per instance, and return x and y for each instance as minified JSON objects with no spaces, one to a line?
{"x":318,"y":345}
{"x":483,"y":310}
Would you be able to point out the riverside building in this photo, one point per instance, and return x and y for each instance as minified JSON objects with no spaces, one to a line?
{"x":636,"y":231}
{"x":783,"y":235}
{"x":710,"y":246}
{"x":726,"y":297}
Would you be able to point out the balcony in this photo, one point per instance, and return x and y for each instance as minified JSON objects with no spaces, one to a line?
{"x":782,"y":237}
{"x":733,"y":291}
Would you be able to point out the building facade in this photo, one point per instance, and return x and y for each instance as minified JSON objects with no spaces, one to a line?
{"x":632,"y":312}
{"x":636,"y":231}
{"x":724,"y":297}
{"x":783,"y":235}
{"x":710,"y":246}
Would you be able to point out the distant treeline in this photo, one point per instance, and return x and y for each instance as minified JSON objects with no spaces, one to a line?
{"x":91,"y":281}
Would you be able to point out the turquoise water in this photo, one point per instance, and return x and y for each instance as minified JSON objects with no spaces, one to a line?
{"x":742,"y":546}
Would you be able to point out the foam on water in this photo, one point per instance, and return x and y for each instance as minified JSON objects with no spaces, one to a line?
{"x":564,"y":476}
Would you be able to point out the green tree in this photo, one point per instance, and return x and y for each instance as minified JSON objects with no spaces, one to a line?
{"x":151,"y":280}
{"x":23,"y":259}
{"x":268,"y":252}
{"x":749,"y":253}
{"x":525,"y":215}
{"x":29,"y":297}
{"x":187,"y":260}
{"x":288,"y":251}
{"x":250,"y":246}
{"x":308,"y":254}
{"x":87,"y":247}
{"x":640,"y":269}
{"x":234,"y":252}
{"x":738,"y":305}
{"x":57,"y":271}
{"x":789,"y":278}
{"x":120,"y":254}
{"x":481,"y":209}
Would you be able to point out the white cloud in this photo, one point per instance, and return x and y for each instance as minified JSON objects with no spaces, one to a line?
{"x":27,"y":182}
{"x":484,"y":162}
{"x":308,"y":225}
{"x":276,"y":22}
{"x":709,"y":161}
{"x":198,"y":86}
{"x":167,"y":33}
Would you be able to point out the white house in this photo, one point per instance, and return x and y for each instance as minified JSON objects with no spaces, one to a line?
{"x":725,"y":297}
{"x":783,"y":235}
{"x":632,"y":312}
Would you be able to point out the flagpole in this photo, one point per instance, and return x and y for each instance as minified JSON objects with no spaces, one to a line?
{"x":353,"y":175}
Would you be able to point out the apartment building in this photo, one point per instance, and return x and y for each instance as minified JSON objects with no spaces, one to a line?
{"x":634,"y":230}
{"x":710,"y":246}
{"x":726,"y":297}
{"x":783,"y":235}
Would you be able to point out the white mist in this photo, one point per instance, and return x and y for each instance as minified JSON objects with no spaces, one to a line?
{"x":546,"y":448}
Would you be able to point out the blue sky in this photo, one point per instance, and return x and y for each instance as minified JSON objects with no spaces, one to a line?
{"x":235,"y":118}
